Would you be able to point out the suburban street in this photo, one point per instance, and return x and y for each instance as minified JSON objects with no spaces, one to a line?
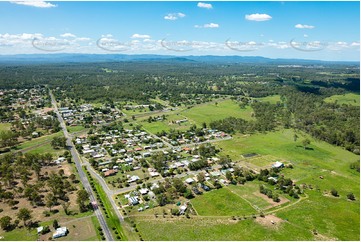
{"x":83,"y":177}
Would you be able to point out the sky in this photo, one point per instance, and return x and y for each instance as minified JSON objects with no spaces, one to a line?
{"x":302,"y":30}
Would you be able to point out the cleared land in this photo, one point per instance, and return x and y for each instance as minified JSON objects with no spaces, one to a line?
{"x":349,"y":98}
{"x":210,"y":112}
{"x":221,"y":202}
{"x":271,"y":99}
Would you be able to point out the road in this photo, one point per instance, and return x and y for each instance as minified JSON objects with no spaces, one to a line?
{"x":83,"y":178}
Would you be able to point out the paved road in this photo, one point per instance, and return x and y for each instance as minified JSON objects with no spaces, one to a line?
{"x":106,"y":189}
{"x":83,"y":177}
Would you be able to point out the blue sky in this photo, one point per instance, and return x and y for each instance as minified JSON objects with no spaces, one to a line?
{"x":308,"y":30}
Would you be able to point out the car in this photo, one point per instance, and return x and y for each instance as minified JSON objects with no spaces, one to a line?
{"x":205,"y":187}
{"x":196,"y":191}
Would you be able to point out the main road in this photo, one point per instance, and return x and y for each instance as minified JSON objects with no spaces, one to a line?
{"x":83,"y":178}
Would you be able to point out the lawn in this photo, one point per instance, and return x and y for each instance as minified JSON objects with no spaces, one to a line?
{"x":221,"y":202}
{"x":19,"y":234}
{"x":4,"y":126}
{"x":81,"y":230}
{"x":210,"y":112}
{"x":73,"y":129}
{"x":349,"y":98}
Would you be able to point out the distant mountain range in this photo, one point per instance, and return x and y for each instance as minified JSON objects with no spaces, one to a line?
{"x":91,"y":58}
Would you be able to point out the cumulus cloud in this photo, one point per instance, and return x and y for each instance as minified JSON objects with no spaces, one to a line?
{"x":37,"y":4}
{"x":304,"y":26}
{"x":205,"y":5}
{"x":140,"y":36}
{"x":258,"y":17}
{"x":68,"y":35}
{"x":210,"y":25}
{"x":174,"y":16}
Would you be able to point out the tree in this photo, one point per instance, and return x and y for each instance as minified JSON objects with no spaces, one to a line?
{"x":201,"y":177}
{"x":55,"y":224}
{"x":351,"y":196}
{"x":81,"y":200}
{"x":5,"y":223}
{"x":65,"y":206}
{"x":295,"y":137}
{"x":50,"y":200}
{"x":24,"y":214}
{"x":58,"y":142}
{"x":305,"y":143}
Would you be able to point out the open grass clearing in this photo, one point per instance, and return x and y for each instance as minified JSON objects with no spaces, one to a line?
{"x":271,"y":99}
{"x":348,"y":98}
{"x":210,"y":112}
{"x":221,"y":202}
{"x":217,"y":229}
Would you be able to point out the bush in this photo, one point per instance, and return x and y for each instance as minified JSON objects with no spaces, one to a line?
{"x":334,"y":192}
{"x":351,"y":196}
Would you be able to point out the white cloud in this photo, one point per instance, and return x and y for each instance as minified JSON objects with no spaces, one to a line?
{"x":210,"y":25}
{"x":68,"y":35}
{"x":37,"y":4}
{"x":205,"y":5}
{"x":140,"y":36}
{"x":174,"y":16}
{"x":258,"y":17}
{"x":107,"y":36}
{"x":304,"y":26}
{"x":305,"y":35}
{"x":355,"y":44}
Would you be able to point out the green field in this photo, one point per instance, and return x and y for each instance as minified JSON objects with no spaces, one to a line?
{"x":248,"y":191}
{"x":4,"y":126}
{"x":73,"y":129}
{"x":217,"y":229}
{"x":221,"y":202}
{"x":271,"y":99}
{"x":41,"y":145}
{"x":349,"y":98}
{"x":167,"y":124}
{"x":210,"y":112}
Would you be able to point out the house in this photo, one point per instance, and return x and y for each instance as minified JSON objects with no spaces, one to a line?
{"x":189,"y":180}
{"x":182,"y":209}
{"x":143,"y":191}
{"x":110,"y":173}
{"x":146,"y":154}
{"x":278,"y":165}
{"x":272,"y":178}
{"x":153,"y":173}
{"x":133,"y":200}
{"x":133,"y":179}
{"x":60,"y":232}
{"x":215,"y":173}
